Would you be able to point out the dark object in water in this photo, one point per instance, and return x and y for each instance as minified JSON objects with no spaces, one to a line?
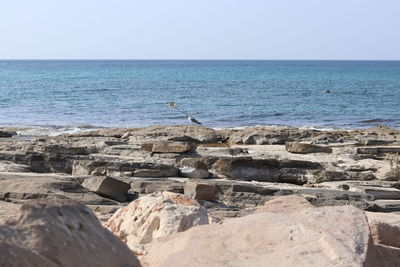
{"x":328,"y":91}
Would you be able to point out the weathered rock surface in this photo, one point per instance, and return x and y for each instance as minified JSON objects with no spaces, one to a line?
{"x":8,"y":210}
{"x":303,"y":148}
{"x":285,"y":204}
{"x":309,"y":237}
{"x":385,"y":228}
{"x":18,"y":187}
{"x":154,"y":216}
{"x":200,"y":191}
{"x":60,"y":233}
{"x":169,"y":147}
{"x":108,"y":187}
{"x":196,"y":169}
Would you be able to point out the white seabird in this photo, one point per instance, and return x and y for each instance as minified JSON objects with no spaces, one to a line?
{"x":171,"y":105}
{"x":191,"y":119}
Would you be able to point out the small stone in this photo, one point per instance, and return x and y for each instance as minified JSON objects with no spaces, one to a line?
{"x":200,"y":191}
{"x":108,"y":187}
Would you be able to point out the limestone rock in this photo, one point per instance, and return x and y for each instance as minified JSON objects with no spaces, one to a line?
{"x":7,"y":166}
{"x":285,"y":204}
{"x":60,"y":233}
{"x":269,"y":135}
{"x":120,"y":168}
{"x":8,"y":210}
{"x":196,"y":173}
{"x":154,"y":216}
{"x":169,"y":147}
{"x":384,"y":256}
{"x":308,"y":237}
{"x":107,"y":187}
{"x":199,"y":134}
{"x":200,"y":191}
{"x":265,"y":170}
{"x":27,"y":186}
{"x":385,"y":228}
{"x":196,"y":170}
{"x":302,"y":148}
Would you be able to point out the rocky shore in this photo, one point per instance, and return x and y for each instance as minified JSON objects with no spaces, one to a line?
{"x":180,"y":195}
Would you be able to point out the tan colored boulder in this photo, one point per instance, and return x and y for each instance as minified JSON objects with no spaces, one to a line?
{"x":285,"y":204}
{"x":308,"y":237}
{"x":200,"y":191}
{"x":60,"y":233}
{"x":302,"y":148}
{"x":154,"y":216}
{"x":107,"y":187}
{"x":385,"y":228}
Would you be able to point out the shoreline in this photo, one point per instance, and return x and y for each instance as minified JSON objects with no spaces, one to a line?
{"x":175,"y":176}
{"x":53,"y":130}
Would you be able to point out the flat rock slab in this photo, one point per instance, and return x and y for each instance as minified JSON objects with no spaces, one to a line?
{"x":169,"y":147}
{"x":108,"y":187}
{"x":378,"y":192}
{"x":309,"y":237}
{"x":302,"y":148}
{"x":285,"y":204}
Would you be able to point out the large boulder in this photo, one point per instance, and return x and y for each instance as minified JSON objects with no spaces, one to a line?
{"x":154,"y":216}
{"x":108,"y":187}
{"x":328,"y":236}
{"x":302,"y":148}
{"x":60,"y":233}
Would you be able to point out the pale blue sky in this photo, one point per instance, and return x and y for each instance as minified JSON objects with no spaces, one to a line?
{"x":200,"y":29}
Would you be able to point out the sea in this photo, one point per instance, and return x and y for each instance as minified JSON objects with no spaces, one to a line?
{"x":74,"y":95}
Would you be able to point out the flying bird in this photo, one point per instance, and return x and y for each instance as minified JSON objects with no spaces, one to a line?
{"x":191,"y":119}
{"x":171,"y":105}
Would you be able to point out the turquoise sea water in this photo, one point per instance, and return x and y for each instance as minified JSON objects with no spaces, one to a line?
{"x":217,"y":93}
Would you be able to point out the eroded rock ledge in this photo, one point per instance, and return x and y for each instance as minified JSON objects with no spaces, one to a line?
{"x":228,"y":172}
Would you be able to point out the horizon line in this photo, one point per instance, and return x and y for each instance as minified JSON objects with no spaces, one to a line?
{"x":194,"y":59}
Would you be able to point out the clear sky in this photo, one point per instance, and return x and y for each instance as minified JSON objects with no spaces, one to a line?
{"x":200,"y":29}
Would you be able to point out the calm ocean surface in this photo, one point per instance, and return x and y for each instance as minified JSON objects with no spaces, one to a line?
{"x":217,"y":93}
